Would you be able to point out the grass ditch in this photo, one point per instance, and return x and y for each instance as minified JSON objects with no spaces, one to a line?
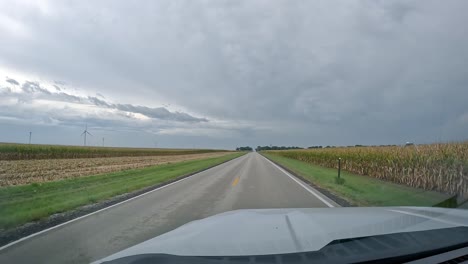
{"x":360,"y":190}
{"x":32,"y":202}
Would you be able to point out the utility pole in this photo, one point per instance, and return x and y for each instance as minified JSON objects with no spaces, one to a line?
{"x":30,"y":134}
{"x":103,"y":142}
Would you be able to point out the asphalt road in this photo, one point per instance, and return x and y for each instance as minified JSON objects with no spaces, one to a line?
{"x":250,"y":181}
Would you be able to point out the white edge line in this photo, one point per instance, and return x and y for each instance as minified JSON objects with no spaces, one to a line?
{"x":312,"y":191}
{"x":103,"y":209}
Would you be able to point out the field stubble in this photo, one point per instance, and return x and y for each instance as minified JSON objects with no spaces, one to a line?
{"x":19,"y":172}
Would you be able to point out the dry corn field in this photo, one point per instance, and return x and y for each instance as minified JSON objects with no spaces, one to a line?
{"x":17,"y":172}
{"x":439,"y":167}
{"x":12,"y":151}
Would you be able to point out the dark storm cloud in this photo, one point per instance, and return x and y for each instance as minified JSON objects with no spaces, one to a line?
{"x":291,"y":72}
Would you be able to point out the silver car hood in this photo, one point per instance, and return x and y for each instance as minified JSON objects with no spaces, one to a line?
{"x":280,"y":231}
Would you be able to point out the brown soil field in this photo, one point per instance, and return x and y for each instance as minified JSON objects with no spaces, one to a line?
{"x":19,"y":172}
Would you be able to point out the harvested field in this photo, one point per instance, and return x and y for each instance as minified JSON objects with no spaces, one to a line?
{"x":19,"y":172}
{"x":25,"y":203}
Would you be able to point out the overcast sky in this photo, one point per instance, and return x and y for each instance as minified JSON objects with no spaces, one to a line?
{"x":221,"y":74}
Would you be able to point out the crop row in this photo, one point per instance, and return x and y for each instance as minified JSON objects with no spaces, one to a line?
{"x":439,"y":167}
{"x":24,"y":152}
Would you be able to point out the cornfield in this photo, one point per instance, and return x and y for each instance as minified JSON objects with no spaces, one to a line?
{"x":23,"y":151}
{"x":438,"y":167}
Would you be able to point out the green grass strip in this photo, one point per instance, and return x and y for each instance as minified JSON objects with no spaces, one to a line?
{"x":361,"y":190}
{"x":26,"y":203}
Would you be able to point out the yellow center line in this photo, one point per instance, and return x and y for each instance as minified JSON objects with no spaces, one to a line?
{"x":235,"y":182}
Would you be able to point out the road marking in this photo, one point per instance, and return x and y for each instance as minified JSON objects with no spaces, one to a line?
{"x":105,"y":208}
{"x":312,"y":191}
{"x":235,"y":182}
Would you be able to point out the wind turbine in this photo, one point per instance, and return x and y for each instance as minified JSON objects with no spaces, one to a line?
{"x":84,"y":133}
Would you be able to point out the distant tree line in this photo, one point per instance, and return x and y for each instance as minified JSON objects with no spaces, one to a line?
{"x":371,"y":146}
{"x":355,"y":146}
{"x":244,"y":149}
{"x":259,"y":148}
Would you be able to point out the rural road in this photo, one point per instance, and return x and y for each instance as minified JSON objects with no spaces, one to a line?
{"x":250,"y":181}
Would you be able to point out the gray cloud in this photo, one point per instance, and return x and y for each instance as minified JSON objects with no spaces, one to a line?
{"x":281,"y":72}
{"x":33,"y":90}
{"x":34,"y":87}
{"x":159,"y":112}
{"x":60,"y":83}
{"x":12,"y":81}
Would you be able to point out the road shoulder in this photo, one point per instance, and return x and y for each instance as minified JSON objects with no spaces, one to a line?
{"x":338,"y":200}
{"x":15,"y":234}
{"x":359,"y":190}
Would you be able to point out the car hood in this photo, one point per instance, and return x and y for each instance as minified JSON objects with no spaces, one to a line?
{"x":282,"y":231}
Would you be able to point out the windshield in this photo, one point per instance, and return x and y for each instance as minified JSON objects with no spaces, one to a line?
{"x":180,"y":128}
